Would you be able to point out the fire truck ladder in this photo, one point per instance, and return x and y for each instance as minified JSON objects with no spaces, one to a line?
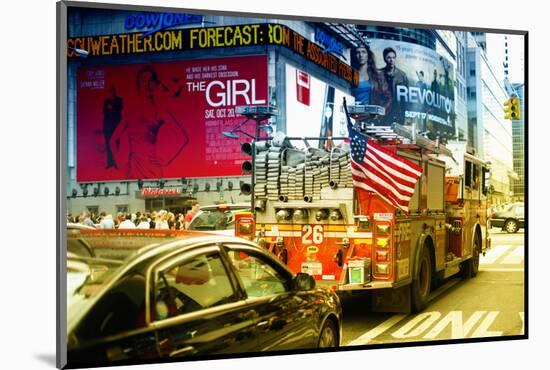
{"x":407,"y":135}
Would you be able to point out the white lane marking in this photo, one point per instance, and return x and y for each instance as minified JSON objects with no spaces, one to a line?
{"x":459,"y":329}
{"x":373,"y":333}
{"x":482,"y":330}
{"x":515,"y":257}
{"x":418,"y":325}
{"x":493,"y":254}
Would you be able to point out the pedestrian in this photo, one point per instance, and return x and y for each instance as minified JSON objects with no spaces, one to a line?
{"x":152,"y":218}
{"x":191,"y":213}
{"x":161,"y":223}
{"x":85,"y":219}
{"x":143,"y":223}
{"x":180,"y":222}
{"x":171,"y":219}
{"x":119,"y":219}
{"x":127,"y":223}
{"x":138,"y":218}
{"x":107,"y":222}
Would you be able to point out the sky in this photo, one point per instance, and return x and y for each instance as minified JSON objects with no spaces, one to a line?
{"x":516,"y":52}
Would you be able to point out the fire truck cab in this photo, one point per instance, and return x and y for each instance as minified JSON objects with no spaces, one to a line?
{"x":353,"y":240}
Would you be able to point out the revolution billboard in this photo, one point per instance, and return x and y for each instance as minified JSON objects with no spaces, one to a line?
{"x":164,"y":120}
{"x":413,"y":83}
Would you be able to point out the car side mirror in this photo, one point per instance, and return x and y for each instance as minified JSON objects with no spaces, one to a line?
{"x":303,"y":281}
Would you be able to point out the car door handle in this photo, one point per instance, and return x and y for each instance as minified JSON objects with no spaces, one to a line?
{"x":273,"y":323}
{"x":263,"y":324}
{"x":182,"y":351}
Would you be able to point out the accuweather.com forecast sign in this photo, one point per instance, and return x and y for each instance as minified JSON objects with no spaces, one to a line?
{"x":421,"y":84}
{"x":165,"y":120}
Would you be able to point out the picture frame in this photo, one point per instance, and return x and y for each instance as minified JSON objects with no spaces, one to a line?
{"x":61,"y":241}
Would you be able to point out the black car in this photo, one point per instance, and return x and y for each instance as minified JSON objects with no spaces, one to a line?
{"x":510,"y":219}
{"x":148,"y":296}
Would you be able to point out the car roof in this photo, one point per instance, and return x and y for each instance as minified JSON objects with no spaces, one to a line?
{"x":231,"y":206}
{"x":140,"y":242}
{"x":131,"y":238}
{"x":73,"y":226}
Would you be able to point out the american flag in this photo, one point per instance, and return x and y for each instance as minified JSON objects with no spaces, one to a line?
{"x":378,"y":170}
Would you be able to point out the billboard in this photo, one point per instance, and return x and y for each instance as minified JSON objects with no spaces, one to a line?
{"x":413,"y":83}
{"x":181,"y":40}
{"x":313,"y":107}
{"x":164,"y":120}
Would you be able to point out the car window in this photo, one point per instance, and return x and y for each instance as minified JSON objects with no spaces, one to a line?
{"x":468,"y":174}
{"x":258,"y":277}
{"x":122,"y":308}
{"x":214,"y":219}
{"x":519,"y":210}
{"x":194,"y":284}
{"x":475,"y":177}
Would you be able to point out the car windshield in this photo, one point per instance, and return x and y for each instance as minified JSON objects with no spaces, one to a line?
{"x":213,"y":219}
{"x":86,"y":278}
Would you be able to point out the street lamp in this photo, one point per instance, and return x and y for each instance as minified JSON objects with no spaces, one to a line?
{"x":233,"y":133}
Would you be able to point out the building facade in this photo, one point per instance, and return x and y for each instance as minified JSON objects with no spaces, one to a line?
{"x":207,"y":65}
{"x":488,"y":132}
{"x":518,"y":139}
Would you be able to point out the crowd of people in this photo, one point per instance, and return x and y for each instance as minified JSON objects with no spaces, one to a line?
{"x":159,"y":220}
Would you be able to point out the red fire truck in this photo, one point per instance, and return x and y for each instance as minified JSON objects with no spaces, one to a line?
{"x":351,"y":239}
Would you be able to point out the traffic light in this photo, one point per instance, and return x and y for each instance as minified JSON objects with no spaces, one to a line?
{"x":247,"y":167}
{"x":517,"y":108}
{"x":246,"y":149}
{"x":512,"y":109}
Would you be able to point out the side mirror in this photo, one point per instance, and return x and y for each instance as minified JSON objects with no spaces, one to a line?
{"x":303,"y":281}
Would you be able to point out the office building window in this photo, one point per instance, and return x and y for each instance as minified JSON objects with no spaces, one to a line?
{"x":122,"y":208}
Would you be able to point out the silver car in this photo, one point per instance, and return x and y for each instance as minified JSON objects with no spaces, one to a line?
{"x":218,"y":218}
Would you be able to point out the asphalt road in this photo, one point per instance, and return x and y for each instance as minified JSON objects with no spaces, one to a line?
{"x":491,"y":304}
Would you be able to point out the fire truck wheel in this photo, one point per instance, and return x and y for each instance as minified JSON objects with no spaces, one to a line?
{"x":420,"y":287}
{"x":469,"y":268}
{"x":328,"y":337}
{"x":511,"y":226}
